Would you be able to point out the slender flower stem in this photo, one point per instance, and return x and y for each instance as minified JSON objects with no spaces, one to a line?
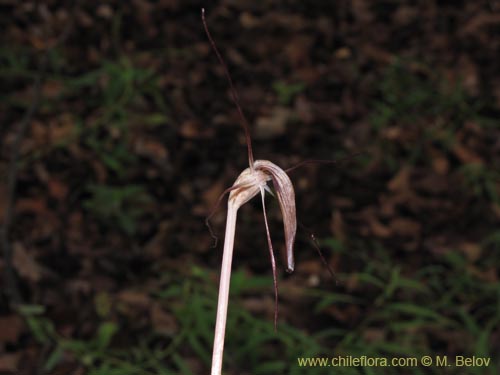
{"x":225,"y":279}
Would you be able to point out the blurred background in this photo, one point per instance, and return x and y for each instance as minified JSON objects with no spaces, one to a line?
{"x":118,"y":134}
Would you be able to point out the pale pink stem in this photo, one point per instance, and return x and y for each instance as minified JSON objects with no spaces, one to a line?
{"x":225,"y":279}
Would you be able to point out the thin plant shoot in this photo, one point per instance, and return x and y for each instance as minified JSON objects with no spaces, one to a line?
{"x":252,"y":181}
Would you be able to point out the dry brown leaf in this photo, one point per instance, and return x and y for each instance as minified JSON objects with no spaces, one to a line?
{"x":489,"y":275}
{"x":211,"y":194}
{"x":352,"y":283}
{"x":437,"y":245}
{"x":343,"y":53}
{"x":378,"y":229}
{"x":134,"y":298}
{"x":375,"y":227}
{"x":62,"y":128}
{"x":389,"y":203}
{"x":9,"y":362}
{"x":25,"y":265}
{"x":405,"y":14}
{"x":297,"y":50}
{"x":405,"y":227}
{"x":465,"y":155}
{"x":273,"y":125}
{"x":374,"y":335}
{"x":376,"y":53}
{"x":471,"y":250}
{"x":304,"y":110}
{"x":189,"y":129}
{"x":337,"y":225}
{"x":343,"y":202}
{"x":249,"y":21}
{"x":57,"y":189}
{"x":52,"y":89}
{"x":468,"y":74}
{"x":481,"y":20}
{"x":11,"y":327}
{"x":349,"y":314}
{"x":401,"y":181}
{"x":496,"y":210}
{"x":288,"y":21}
{"x":309,"y":267}
{"x":105,"y":11}
{"x":432,"y":183}
{"x":163,"y":322}
{"x":156,"y":246}
{"x":440,"y":165}
{"x":150,"y":148}
{"x":393,"y":133}
{"x":310,"y":75}
{"x":36,"y":206}
{"x":362,"y":12}
{"x":80,"y":286}
{"x":258,"y":305}
{"x":100,"y":170}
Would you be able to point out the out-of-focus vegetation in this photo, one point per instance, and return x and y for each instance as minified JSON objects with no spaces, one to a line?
{"x":135,"y":138}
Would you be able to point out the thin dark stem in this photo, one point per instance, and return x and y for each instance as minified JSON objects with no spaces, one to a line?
{"x":322,"y":161}
{"x":316,"y":246}
{"x":12,"y":287}
{"x":273,"y":261}
{"x":11,"y":283}
{"x":214,"y":210}
{"x":232,"y":89}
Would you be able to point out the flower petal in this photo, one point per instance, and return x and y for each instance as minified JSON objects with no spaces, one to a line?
{"x":247,"y":186}
{"x":286,"y":197}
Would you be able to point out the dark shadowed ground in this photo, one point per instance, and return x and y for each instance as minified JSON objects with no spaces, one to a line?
{"x":118,"y":118}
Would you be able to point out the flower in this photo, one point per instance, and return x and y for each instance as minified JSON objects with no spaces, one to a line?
{"x":254,"y":180}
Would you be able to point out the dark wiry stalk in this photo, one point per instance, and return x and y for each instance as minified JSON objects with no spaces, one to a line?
{"x":234,"y":93}
{"x":273,"y":261}
{"x":11,"y":283}
{"x":316,"y":246}
{"x":214,"y":210}
{"x":322,"y":161}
